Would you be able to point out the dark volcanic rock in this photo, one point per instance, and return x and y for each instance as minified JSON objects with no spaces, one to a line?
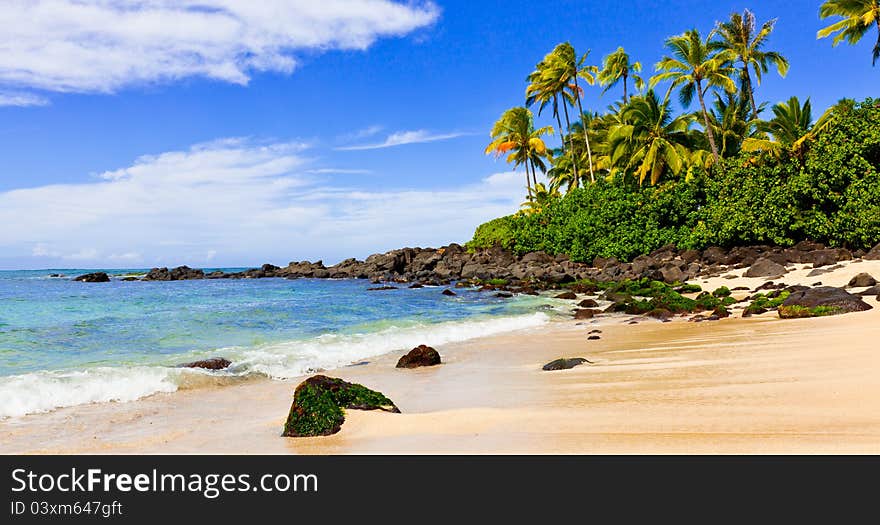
{"x":873,"y":254}
{"x":765,"y":268}
{"x":448,"y":292}
{"x":661,"y":314}
{"x":861,"y":280}
{"x":96,"y":277}
{"x":826,"y":296}
{"x":318,"y":404}
{"x":381,"y":288}
{"x":564,"y":364}
{"x":181,"y":273}
{"x":828,"y":256}
{"x":586,"y":313}
{"x":421,"y":355}
{"x":594,"y":338}
{"x":588,"y":303}
{"x":874,"y":290}
{"x":567,"y":295}
{"x":214,"y":363}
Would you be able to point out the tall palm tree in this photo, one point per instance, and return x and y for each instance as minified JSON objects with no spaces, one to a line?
{"x":545,"y":88}
{"x":617,"y":67}
{"x":741,"y":37}
{"x":858,"y":17}
{"x":786,"y":132}
{"x":695,"y":68}
{"x":731,"y":122}
{"x":514,"y":133}
{"x":567,"y":69}
{"x":650,"y":141}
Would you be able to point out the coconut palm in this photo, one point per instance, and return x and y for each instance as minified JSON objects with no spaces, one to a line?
{"x":617,"y":68}
{"x":695,"y":67}
{"x":543,"y":197}
{"x":545,"y":88}
{"x":514,"y":133}
{"x":650,"y":141}
{"x":742,"y":38}
{"x":731,"y":123}
{"x":859,"y":16}
{"x":786,"y":132}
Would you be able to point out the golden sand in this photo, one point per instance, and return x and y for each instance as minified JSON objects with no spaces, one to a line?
{"x":759,"y":385}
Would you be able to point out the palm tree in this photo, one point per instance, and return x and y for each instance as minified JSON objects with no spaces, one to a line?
{"x":695,"y":67}
{"x":566,"y":69}
{"x":858,"y":17}
{"x":617,"y":67}
{"x":543,"y":197}
{"x":730,"y":122}
{"x":515,"y":133}
{"x":741,"y":37}
{"x":788,"y":130}
{"x":650,"y":140}
{"x":545,"y":88}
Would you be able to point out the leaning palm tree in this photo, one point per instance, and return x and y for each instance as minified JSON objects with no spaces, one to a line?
{"x":695,"y":68}
{"x":616,"y":68}
{"x":546,"y":88}
{"x":514,"y":133}
{"x":858,"y":17}
{"x":650,"y":141}
{"x":741,"y":37}
{"x":567,"y":69}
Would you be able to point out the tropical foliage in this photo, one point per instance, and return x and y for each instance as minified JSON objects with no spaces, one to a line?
{"x":641,"y":174}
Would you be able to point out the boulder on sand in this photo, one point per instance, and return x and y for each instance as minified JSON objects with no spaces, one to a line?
{"x":567,"y":295}
{"x":214,"y":363}
{"x":564,"y":364}
{"x":764,"y":267}
{"x":824,"y":300}
{"x":319,"y":403}
{"x":862,"y":280}
{"x":586,"y":313}
{"x":421,"y":355}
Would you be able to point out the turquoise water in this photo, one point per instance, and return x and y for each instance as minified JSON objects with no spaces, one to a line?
{"x":64,"y":343}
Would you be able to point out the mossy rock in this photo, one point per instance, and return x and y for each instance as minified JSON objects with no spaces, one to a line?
{"x":800,"y":312}
{"x":318,"y":404}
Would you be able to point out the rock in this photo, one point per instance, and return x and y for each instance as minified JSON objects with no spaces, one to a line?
{"x":381,"y":288}
{"x":831,"y":300}
{"x":593,"y":338}
{"x":862,"y":280}
{"x":448,"y":292}
{"x":96,"y":277}
{"x":181,"y":273}
{"x":421,"y":355}
{"x":596,"y":331}
{"x":588,"y":303}
{"x":214,"y":363}
{"x":874,"y":290}
{"x":586,"y":313}
{"x":129,"y":279}
{"x":504,"y":295}
{"x":416,"y":286}
{"x":764,"y":267}
{"x":828,"y":256}
{"x":564,"y":364}
{"x":873,"y":254}
{"x":319,"y":401}
{"x":661,"y":314}
{"x":566,"y":295}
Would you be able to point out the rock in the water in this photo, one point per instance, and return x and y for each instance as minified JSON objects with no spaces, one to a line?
{"x":319,"y":401}
{"x":862,"y":280}
{"x":448,"y":292}
{"x":421,"y":355}
{"x":567,"y":295}
{"x":825,"y":300}
{"x":588,"y":303}
{"x":766,"y":268}
{"x":504,"y":295}
{"x":564,"y":364}
{"x":96,"y":277}
{"x":416,"y":286}
{"x":381,"y":288}
{"x":214,"y":363}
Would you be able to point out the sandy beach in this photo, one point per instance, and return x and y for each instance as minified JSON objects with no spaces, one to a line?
{"x":758,"y":385}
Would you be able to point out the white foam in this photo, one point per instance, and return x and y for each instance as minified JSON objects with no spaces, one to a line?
{"x":45,"y":391}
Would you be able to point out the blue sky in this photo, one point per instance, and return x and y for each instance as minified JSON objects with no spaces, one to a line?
{"x":135,"y":134}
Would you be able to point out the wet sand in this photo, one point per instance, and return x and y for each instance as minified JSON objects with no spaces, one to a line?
{"x":758,"y":385}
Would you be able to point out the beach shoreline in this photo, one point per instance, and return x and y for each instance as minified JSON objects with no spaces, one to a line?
{"x":756,"y":385}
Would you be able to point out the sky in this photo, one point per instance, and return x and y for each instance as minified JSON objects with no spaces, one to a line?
{"x":141,"y":133}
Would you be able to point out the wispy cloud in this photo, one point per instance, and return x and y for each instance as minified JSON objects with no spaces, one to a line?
{"x":338,"y":171}
{"x":234,"y":201}
{"x":21,"y":99}
{"x":101,"y":46}
{"x":401,"y":138}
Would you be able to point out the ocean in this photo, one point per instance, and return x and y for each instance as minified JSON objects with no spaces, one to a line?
{"x":66,"y":343}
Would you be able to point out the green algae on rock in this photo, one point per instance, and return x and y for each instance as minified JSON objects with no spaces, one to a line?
{"x":318,"y":404}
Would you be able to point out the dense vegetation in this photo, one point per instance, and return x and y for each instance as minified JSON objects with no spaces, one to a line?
{"x":637,"y":177}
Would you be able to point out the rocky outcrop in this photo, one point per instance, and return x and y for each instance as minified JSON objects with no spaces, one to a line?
{"x":181,"y":273}
{"x":419,"y":356}
{"x":319,"y":403}
{"x":214,"y":363}
{"x":823,"y":300}
{"x":96,"y":277}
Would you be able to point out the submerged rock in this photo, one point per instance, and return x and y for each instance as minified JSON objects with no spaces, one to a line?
{"x":564,"y":363}
{"x":214,"y":363}
{"x":421,"y":355}
{"x":319,"y":403}
{"x":96,"y":277}
{"x":449,"y":292}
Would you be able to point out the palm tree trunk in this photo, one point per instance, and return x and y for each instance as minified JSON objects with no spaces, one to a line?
{"x":877,"y":46}
{"x":528,"y":182}
{"x":747,"y":80}
{"x":709,"y":131}
{"x":558,"y":121}
{"x":624,"y":88}
{"x":577,"y":96}
{"x":570,"y":140}
{"x":534,"y":175}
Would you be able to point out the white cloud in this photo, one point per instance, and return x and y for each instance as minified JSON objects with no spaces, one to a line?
{"x":401,"y":138}
{"x":235,"y":201}
{"x":21,"y":99}
{"x":103,"y":45}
